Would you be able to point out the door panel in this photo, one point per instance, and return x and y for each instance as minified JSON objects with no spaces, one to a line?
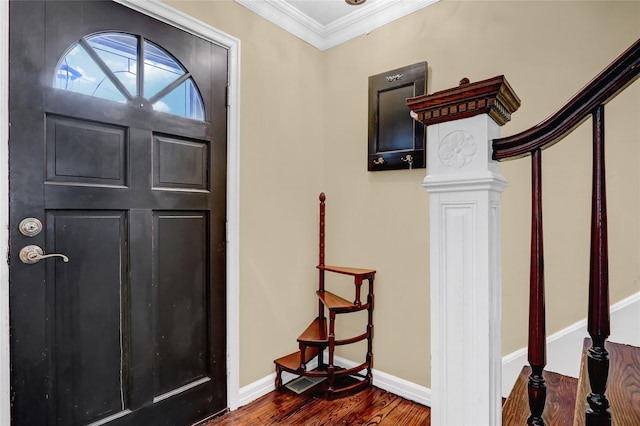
{"x":90,"y":294}
{"x":84,"y":152}
{"x":180,"y":163}
{"x":132,"y":330}
{"x":181,"y":336}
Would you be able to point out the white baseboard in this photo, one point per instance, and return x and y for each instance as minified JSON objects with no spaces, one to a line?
{"x":564,"y":348}
{"x":255,"y":390}
{"x":382,"y":380}
{"x":393,"y":384}
{"x":263,"y":386}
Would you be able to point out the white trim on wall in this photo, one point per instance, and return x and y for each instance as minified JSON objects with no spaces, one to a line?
{"x":382,"y":380}
{"x":564,"y":348}
{"x":362,"y":20}
{"x":187,"y":23}
{"x":5,"y":367}
{"x":263,"y":386}
{"x":395,"y":385}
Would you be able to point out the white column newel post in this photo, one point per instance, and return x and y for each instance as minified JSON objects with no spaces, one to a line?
{"x":465,"y":187}
{"x":464,"y":201}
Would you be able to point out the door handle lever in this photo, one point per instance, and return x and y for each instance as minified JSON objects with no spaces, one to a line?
{"x":33,"y":254}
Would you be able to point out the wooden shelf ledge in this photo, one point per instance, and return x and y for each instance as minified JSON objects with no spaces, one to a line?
{"x":291,"y":362}
{"x":354,"y":272}
{"x":338,"y":304}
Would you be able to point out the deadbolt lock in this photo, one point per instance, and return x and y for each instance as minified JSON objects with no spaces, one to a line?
{"x":30,"y":227}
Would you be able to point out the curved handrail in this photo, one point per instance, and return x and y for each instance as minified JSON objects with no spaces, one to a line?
{"x":604,"y":87}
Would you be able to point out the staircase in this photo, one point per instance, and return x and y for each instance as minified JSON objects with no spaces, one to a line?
{"x":320,"y":335}
{"x":608,"y":390}
{"x":567,"y":396}
{"x":459,"y":120}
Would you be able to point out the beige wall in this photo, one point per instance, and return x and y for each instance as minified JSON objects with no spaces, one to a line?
{"x":548,"y":51}
{"x":304,"y":129}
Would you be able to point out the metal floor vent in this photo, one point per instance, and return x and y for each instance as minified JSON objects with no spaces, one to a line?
{"x":302,"y":383}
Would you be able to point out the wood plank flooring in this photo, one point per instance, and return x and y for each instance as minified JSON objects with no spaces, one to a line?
{"x":374,"y":406}
{"x":559,"y":405}
{"x":371,"y":406}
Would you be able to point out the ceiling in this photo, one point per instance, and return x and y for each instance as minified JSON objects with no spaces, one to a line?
{"x":327,"y":23}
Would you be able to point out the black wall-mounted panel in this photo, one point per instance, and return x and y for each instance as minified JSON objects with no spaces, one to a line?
{"x":396,"y":141}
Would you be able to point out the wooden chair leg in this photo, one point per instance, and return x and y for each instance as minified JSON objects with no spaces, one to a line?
{"x":303,"y":353}
{"x":331,"y":367}
{"x":278,"y":377}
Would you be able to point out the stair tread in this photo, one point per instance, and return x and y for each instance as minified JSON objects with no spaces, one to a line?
{"x":559,"y":406}
{"x":336,"y":303}
{"x":623,"y":385}
{"x":316,"y":333}
{"x":291,"y":362}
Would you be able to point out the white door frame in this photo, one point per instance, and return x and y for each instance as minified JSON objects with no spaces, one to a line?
{"x":189,"y":24}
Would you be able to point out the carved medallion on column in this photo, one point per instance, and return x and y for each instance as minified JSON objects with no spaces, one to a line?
{"x":457,"y":149}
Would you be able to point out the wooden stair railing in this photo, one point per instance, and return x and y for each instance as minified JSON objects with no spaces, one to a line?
{"x":537,"y":388}
{"x":588,"y":102}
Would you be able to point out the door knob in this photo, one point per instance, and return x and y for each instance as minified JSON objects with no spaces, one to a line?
{"x":32,"y":254}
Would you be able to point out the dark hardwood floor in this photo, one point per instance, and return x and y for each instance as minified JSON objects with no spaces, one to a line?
{"x":371,"y":406}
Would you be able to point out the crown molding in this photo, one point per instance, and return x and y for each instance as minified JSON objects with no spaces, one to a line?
{"x":362,"y":20}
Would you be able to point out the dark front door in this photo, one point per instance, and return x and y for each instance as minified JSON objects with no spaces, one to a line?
{"x":118,"y":147}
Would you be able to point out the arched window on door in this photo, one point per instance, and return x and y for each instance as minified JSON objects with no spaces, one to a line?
{"x":129,"y":69}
